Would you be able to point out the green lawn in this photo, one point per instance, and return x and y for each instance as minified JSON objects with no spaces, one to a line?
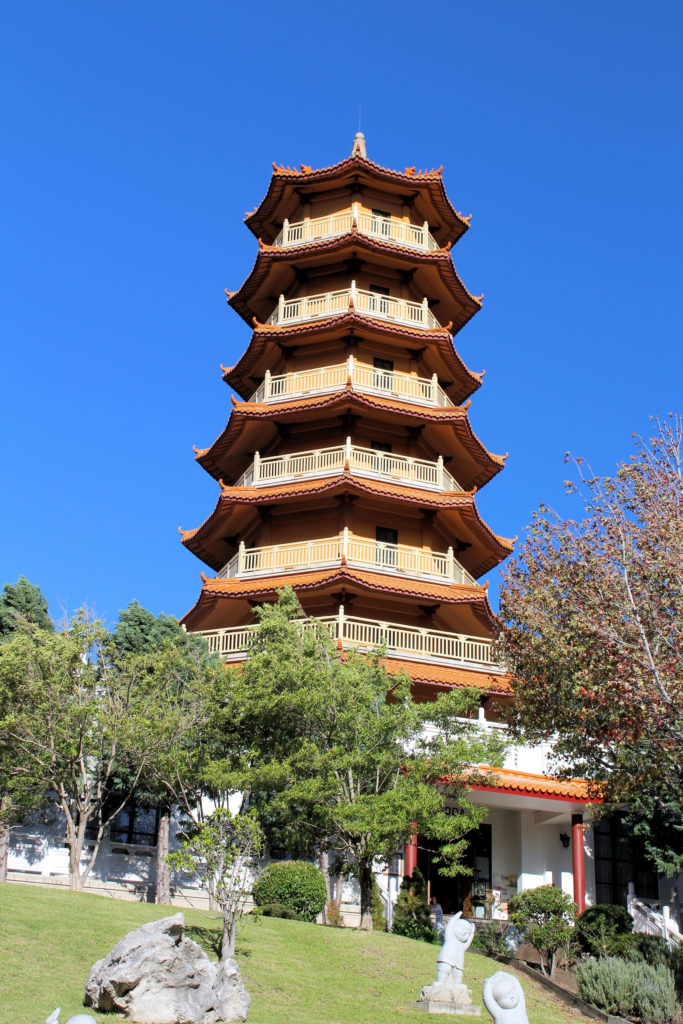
{"x":297,"y":973}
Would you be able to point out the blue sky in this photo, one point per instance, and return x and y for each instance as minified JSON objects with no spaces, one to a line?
{"x":137,"y":135}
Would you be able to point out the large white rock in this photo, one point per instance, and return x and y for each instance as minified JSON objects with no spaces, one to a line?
{"x":155,"y":975}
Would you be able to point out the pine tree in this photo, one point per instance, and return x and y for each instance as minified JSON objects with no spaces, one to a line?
{"x":411,"y":916}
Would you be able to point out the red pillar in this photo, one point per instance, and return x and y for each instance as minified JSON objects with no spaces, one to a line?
{"x":578,"y":862}
{"x":410,"y":853}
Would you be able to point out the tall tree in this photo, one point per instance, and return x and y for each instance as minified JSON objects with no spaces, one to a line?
{"x":171,"y":659}
{"x":339,"y":746}
{"x":593,"y":630}
{"x":69,"y":717}
{"x":22,"y":603}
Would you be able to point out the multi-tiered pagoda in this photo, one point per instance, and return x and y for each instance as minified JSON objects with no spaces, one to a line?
{"x":349,"y":469}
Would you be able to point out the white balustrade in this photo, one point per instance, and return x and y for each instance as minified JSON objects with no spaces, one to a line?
{"x":380,"y":307}
{"x":388,"y":229}
{"x":410,"y":642}
{"x":363,"y":377}
{"x":361,"y":461}
{"x":396,"y":559}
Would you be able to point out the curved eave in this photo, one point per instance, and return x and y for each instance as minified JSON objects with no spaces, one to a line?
{"x":199,"y":541}
{"x":266,"y":588}
{"x":239,"y":376}
{"x":426,"y":676}
{"x":509,"y":780}
{"x":286,"y":180}
{"x":464,"y":305}
{"x":244,"y":412}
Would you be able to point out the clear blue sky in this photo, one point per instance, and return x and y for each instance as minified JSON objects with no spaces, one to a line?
{"x":135,"y":137}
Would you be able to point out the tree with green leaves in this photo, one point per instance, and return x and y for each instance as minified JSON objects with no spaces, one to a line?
{"x":593,"y":629}
{"x":411,"y":916}
{"x":222,"y":854}
{"x":545,"y":916}
{"x":176,"y":668}
{"x":22,"y":603}
{"x":69,"y":717}
{"x":340,"y":749}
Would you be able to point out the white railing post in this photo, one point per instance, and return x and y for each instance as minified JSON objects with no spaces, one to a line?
{"x":451,"y":563}
{"x":350,"y":361}
{"x":280,"y":309}
{"x":266,"y":386}
{"x":425,"y":312}
{"x":439,"y":471}
{"x":435,"y":389}
{"x":285,"y":231}
{"x":257,"y":466}
{"x":345,"y":544}
{"x":241,"y":558}
{"x":340,"y":623}
{"x":352,"y":293}
{"x":355,"y":221}
{"x":347,"y":453}
{"x":425,"y":235}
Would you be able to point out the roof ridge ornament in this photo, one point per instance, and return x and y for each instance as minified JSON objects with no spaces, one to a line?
{"x":358,"y":148}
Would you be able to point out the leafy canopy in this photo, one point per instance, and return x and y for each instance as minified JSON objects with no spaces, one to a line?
{"x":21,"y":604}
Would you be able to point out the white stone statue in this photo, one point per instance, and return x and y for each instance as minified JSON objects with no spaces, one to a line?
{"x":504,"y":999}
{"x":448,"y":994}
{"x":450,"y":962}
{"x":80,"y":1018}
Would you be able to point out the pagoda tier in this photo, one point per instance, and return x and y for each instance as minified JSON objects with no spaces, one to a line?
{"x":273,"y":347}
{"x":426,"y":518}
{"x":329,"y":267}
{"x":349,"y":472}
{"x":410,"y":431}
{"x":418,"y":196}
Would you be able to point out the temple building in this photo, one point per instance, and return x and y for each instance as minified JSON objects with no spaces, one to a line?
{"x":349,"y":468}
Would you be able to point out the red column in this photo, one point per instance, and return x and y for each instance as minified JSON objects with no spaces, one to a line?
{"x":410,"y":854}
{"x":578,"y":862}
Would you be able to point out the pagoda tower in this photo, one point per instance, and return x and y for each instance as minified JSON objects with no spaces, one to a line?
{"x":349,"y":468}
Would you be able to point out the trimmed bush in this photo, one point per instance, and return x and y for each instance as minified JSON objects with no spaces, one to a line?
{"x":379,"y":922}
{"x":628,"y":989}
{"x":545,"y":916}
{"x":295,"y":884}
{"x":600,"y":929}
{"x":278,"y":910}
{"x":411,"y":917}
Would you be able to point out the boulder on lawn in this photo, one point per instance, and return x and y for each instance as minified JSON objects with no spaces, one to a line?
{"x":155,"y":975}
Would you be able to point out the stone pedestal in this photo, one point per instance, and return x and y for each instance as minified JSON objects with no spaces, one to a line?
{"x":448,"y":997}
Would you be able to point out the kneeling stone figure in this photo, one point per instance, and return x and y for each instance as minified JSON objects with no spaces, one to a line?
{"x":448,"y":994}
{"x":504,"y":999}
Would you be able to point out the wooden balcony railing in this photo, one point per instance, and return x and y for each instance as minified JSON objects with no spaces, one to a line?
{"x":388,"y":229}
{"x":381,"y":307}
{"x":350,"y":549}
{"x":363,"y":377}
{"x":366,"y":462}
{"x":409,"y":642}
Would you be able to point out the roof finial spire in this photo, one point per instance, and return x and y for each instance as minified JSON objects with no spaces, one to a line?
{"x":359,"y":146}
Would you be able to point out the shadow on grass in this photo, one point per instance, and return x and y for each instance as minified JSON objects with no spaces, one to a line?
{"x":208,"y":938}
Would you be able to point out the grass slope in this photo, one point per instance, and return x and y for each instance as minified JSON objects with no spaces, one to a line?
{"x":295,"y":973}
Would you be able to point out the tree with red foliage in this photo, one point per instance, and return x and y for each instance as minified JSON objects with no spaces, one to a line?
{"x":592,"y":613}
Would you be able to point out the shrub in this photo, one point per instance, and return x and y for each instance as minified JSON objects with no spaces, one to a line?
{"x":279,"y":910}
{"x":628,"y":989}
{"x":599,"y":929}
{"x":545,"y":917}
{"x":491,"y":941}
{"x":296,"y":884}
{"x":379,"y":923}
{"x":333,"y":914}
{"x":411,"y":917}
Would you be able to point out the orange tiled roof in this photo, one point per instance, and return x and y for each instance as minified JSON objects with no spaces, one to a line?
{"x":269,"y":255}
{"x":237,"y":376}
{"x":430,"y":181}
{"x":243,"y":412}
{"x":447,"y":677}
{"x":231,"y":497}
{"x":509,"y":780}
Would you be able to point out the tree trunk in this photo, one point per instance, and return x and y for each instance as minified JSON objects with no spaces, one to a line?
{"x":163,"y":875}
{"x":228,"y":940}
{"x":365,"y":882}
{"x":4,"y":848}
